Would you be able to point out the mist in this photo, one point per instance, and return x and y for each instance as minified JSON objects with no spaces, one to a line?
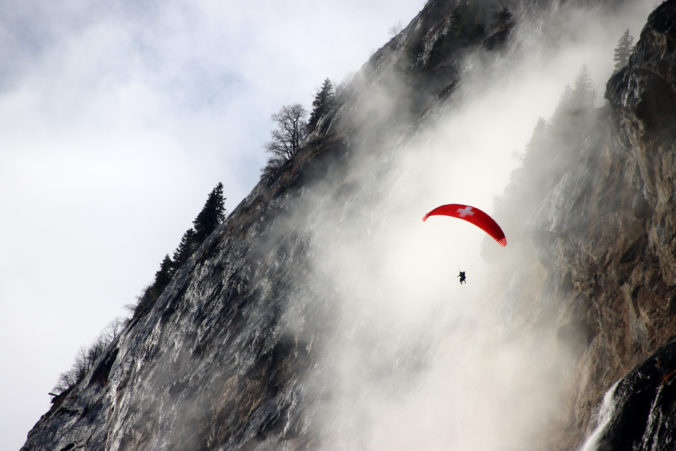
{"x":117,"y":121}
{"x":413,"y":359}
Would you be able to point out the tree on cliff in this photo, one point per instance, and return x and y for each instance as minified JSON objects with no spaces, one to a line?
{"x":86,"y":358}
{"x":185,"y":248}
{"x":210,"y":217}
{"x":583,"y":93}
{"x":322,"y":103}
{"x":153,"y":291}
{"x":163,"y":275}
{"x":623,"y":50}
{"x":212,"y":214}
{"x":290,"y":132}
{"x":575,"y":102}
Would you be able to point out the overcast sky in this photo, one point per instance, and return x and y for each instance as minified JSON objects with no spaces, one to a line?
{"x":116,"y":120}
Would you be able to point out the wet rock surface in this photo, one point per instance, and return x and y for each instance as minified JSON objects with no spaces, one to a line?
{"x":643,"y":406}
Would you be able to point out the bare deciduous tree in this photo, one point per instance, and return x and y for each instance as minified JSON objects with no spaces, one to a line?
{"x":290,"y":132}
{"x":87,"y":357}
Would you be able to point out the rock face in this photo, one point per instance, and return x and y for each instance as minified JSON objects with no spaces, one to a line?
{"x":640,"y":407}
{"x":604,"y":232}
{"x":222,"y":359}
{"x":633,"y":263}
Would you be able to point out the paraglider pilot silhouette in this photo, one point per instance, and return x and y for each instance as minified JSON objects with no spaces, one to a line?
{"x":474,"y":216}
{"x":462,"y":277}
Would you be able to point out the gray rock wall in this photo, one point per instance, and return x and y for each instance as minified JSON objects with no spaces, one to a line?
{"x":213,"y":364}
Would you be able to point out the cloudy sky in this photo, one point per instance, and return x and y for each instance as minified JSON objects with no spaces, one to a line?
{"x":116,"y":120}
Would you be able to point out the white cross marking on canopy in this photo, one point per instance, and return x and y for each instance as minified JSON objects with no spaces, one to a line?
{"x":467,"y":211}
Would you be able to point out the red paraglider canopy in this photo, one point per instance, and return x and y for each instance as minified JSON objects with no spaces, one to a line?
{"x":473,"y":215}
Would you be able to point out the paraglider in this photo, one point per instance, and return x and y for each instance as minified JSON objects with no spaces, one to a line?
{"x":473,"y":215}
{"x":462,"y":277}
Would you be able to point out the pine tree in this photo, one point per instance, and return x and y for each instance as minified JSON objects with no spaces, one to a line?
{"x":583,"y":90}
{"x":163,"y":275}
{"x":623,"y":50}
{"x":542,"y":153}
{"x":564,"y":107}
{"x":322,"y":103}
{"x":152,"y":292}
{"x":212,"y":214}
{"x":185,"y":248}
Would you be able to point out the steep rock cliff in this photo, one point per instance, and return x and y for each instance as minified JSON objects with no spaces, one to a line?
{"x":603,"y":231}
{"x":626,"y":273}
{"x":221,"y":359}
{"x":211,"y":364}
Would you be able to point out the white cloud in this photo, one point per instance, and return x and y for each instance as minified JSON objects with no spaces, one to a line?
{"x":116,"y":120}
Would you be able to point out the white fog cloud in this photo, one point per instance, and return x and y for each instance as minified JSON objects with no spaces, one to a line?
{"x":415,"y":360}
{"x":116,"y":120}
